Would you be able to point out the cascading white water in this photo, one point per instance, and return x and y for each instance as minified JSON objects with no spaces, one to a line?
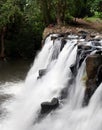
{"x":70,"y":115}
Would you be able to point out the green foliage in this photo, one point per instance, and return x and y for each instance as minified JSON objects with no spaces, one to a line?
{"x":9,"y":13}
{"x":24,"y":27}
{"x":26,"y":19}
{"x":79,"y":8}
{"x":97,"y":5}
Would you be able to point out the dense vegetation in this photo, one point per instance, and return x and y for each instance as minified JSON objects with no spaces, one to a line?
{"x":22,"y":22}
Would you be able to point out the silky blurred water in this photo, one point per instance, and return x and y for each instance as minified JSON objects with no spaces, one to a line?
{"x":12,"y":76}
{"x":25,"y":95}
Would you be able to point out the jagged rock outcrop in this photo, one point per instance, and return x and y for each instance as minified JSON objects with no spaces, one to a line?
{"x":42,"y":72}
{"x":83,"y":51}
{"x":99,"y":75}
{"x":47,"y":107}
{"x":63,"y":42}
{"x":94,"y":75}
{"x":92,"y":64}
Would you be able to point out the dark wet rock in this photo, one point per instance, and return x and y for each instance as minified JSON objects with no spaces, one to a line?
{"x":97,"y":39}
{"x":53,"y":37}
{"x":66,"y":34}
{"x":94,"y":75}
{"x":61,"y":35}
{"x":92,"y":85}
{"x":47,"y":107}
{"x":82,"y":52}
{"x":73,"y":69}
{"x":92,"y":64}
{"x":96,"y":43}
{"x":81,"y":59}
{"x":99,"y":52}
{"x":63,"y":42}
{"x":90,"y":89}
{"x":83,"y":34}
{"x":42,"y":72}
{"x":99,"y":75}
{"x":84,"y":47}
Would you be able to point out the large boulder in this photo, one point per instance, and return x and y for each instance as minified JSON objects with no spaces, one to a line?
{"x":47,"y":107}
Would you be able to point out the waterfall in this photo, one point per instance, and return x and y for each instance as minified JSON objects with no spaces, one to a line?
{"x":51,"y":77}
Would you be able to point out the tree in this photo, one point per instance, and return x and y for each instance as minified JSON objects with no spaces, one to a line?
{"x":45,"y":7}
{"x":10,"y":13}
{"x":76,"y":8}
{"x":60,"y":7}
{"x":97,"y":7}
{"x":81,"y":8}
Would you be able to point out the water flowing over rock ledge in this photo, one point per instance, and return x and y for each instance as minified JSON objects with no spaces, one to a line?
{"x":89,"y":47}
{"x":63,"y":89}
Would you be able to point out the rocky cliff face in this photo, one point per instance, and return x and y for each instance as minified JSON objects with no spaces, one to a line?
{"x":94,"y":74}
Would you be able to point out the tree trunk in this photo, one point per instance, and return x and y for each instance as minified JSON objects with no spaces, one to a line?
{"x":59,"y":21}
{"x":2,"y":54}
{"x":45,"y":11}
{"x":58,"y":13}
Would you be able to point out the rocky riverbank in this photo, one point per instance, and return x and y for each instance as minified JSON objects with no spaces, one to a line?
{"x":70,"y":29}
{"x":93,"y":28}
